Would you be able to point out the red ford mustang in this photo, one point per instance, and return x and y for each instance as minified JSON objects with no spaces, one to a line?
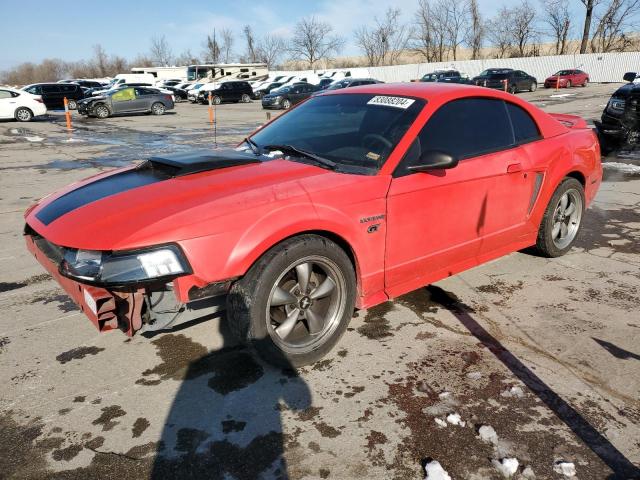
{"x":567,"y":79}
{"x":352,"y":198}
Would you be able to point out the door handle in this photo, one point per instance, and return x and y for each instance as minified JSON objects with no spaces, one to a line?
{"x":514,"y":168}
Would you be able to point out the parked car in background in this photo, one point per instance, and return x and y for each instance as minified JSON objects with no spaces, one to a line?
{"x":515,"y":80}
{"x":101,"y":91}
{"x":179,"y":95}
{"x":127,"y":100}
{"x":485,"y":74}
{"x":567,"y":79}
{"x":265,"y":89}
{"x":324,"y":83}
{"x":288,"y":95}
{"x":447,"y":76}
{"x":85,"y":83}
{"x":620,"y":119}
{"x":192,"y":91}
{"x":352,"y":82}
{"x":20,"y":105}
{"x":53,"y":94}
{"x":231,"y":91}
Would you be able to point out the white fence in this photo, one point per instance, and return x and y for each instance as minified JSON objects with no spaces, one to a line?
{"x":601,"y":67}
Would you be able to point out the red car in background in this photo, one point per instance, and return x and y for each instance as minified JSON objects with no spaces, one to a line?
{"x":353,"y":197}
{"x":567,"y":79}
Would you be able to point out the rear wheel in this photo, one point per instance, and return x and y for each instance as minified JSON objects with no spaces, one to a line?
{"x":72,"y":104}
{"x":586,"y":82}
{"x":513,"y":89}
{"x":23,"y":114}
{"x":101,"y":111}
{"x":216,"y":100}
{"x":568,"y":83}
{"x":286,"y":103}
{"x":158,"y":108}
{"x":533,"y":87}
{"x":562,"y":219}
{"x":295,"y":303}
{"x":245,"y":98}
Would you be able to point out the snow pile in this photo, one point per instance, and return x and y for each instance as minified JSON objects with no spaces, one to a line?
{"x":434,"y":471}
{"x":455,"y":419}
{"x":474,"y":375}
{"x":441,"y":423}
{"x":622,"y":167}
{"x":568,"y":469}
{"x":488,"y":434}
{"x":528,"y":474}
{"x":513,"y":392}
{"x":34,"y":138}
{"x":507,"y":466}
{"x":444,"y":395}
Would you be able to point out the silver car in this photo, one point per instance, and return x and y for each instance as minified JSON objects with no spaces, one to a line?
{"x":127,"y":100}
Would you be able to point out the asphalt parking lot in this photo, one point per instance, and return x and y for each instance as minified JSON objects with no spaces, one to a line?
{"x":544,"y":351}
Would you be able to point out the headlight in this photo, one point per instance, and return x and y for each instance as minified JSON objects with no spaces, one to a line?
{"x":616,"y":105}
{"x":120,"y":268}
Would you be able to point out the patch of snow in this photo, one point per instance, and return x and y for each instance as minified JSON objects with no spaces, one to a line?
{"x":568,"y":469}
{"x":441,"y":423}
{"x":444,"y":394}
{"x":488,"y":434}
{"x":561,"y":95}
{"x":455,"y":419}
{"x":434,"y":471}
{"x":474,"y":375}
{"x":513,"y":392}
{"x":622,"y":167}
{"x":33,"y":138}
{"x":528,"y":473}
{"x":73,"y":140}
{"x":507,"y":466}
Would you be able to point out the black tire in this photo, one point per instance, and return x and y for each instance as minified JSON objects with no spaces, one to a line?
{"x":544,"y":243}
{"x":158,"y":108}
{"x":513,"y":89}
{"x":101,"y":111}
{"x":533,"y":87}
{"x":248,"y":314}
{"x":286,"y":104}
{"x":216,"y":100}
{"x":245,"y":98}
{"x":23,"y":114}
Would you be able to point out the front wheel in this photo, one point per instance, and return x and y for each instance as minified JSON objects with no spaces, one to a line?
{"x":72,"y":104}
{"x":562,"y":219}
{"x":568,"y":83}
{"x":158,"y":108}
{"x":286,"y":104}
{"x":23,"y":114}
{"x":513,"y":89}
{"x":216,"y":100}
{"x":295,"y":303}
{"x":101,"y":111}
{"x":245,"y":98}
{"x":533,"y":87}
{"x":586,"y":83}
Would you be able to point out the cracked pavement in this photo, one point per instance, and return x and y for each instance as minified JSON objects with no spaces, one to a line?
{"x":545,"y":351}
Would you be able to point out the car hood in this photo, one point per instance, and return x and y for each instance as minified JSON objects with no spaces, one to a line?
{"x":168,"y":199}
{"x":552,"y":78}
{"x":92,"y":99}
{"x":626,"y":90}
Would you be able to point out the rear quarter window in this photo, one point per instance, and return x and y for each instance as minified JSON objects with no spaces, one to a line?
{"x":525,"y":128}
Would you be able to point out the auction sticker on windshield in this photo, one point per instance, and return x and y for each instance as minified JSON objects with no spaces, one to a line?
{"x":398,"y":102}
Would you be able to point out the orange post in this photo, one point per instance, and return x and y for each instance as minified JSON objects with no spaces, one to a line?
{"x":557,"y":82}
{"x":67,"y":113}
{"x":211,"y":116}
{"x":505,"y":84}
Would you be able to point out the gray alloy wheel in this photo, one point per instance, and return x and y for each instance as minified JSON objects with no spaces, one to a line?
{"x":101,"y":111}
{"x":23,"y":114}
{"x":158,"y":108}
{"x":513,"y":89}
{"x":286,"y":104}
{"x":177,"y":99}
{"x":567,"y":216}
{"x":245,"y":98}
{"x":72,"y":104}
{"x":306,"y":304}
{"x":533,"y":87}
{"x":216,"y":100}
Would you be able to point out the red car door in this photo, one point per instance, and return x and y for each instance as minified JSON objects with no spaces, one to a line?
{"x":443,"y":221}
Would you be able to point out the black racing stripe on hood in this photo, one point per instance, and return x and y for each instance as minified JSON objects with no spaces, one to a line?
{"x":102,"y":188}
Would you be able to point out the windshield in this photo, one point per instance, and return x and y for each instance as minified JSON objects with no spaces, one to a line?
{"x":491,"y":71}
{"x":338,"y":85}
{"x":497,"y":76}
{"x":281,"y":90}
{"x":429,"y":76}
{"x":356,"y":131}
{"x":561,"y":73}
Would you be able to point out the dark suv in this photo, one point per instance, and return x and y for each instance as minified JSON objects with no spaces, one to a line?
{"x":447,"y":76}
{"x":620,"y":120}
{"x":53,"y":94}
{"x":289,"y":95}
{"x":232,"y":91}
{"x":516,"y":81}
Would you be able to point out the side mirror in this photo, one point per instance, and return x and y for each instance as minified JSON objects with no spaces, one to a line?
{"x":434,"y":160}
{"x":629,"y":77}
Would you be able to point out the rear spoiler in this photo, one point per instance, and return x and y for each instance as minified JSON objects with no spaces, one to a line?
{"x":570,"y":121}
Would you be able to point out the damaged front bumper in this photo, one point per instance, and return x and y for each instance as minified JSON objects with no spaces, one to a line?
{"x":139,"y":307}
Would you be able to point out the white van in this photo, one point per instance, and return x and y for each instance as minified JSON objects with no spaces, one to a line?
{"x":132,"y":78}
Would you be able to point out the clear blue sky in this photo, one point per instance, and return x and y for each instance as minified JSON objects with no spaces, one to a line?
{"x":68,"y":29}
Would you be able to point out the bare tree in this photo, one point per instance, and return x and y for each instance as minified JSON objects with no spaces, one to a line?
{"x":559,"y":21}
{"x":186,"y":58}
{"x":226,"y":47}
{"x":455,"y":24}
{"x":475,"y":32}
{"x":430,"y":33}
{"x":523,"y":27}
{"x":501,"y":38}
{"x":588,"y":16}
{"x":251,"y":54}
{"x":100,"y":59}
{"x":212,"y":48}
{"x":270,"y":49}
{"x":384,"y":43}
{"x":160,"y":51}
{"x":610,"y":34}
{"x":313,"y":41}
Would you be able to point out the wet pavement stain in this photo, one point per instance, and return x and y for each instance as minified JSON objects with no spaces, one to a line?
{"x":234,"y":371}
{"x":4,"y":341}
{"x":376,"y":326}
{"x":177,"y":353}
{"x":66,"y":305}
{"x":8,"y":286}
{"x":78,"y":354}
{"x":611,"y":229}
{"x":108,"y":414}
{"x":67,"y":454}
{"x":139,"y":426}
{"x":94,"y":443}
{"x":22,"y":456}
{"x":79,"y":399}
{"x":327,"y":430}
